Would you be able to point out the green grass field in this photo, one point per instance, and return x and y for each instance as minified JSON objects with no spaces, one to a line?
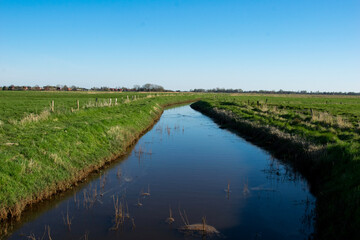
{"x":321,"y":120}
{"x":328,"y":123}
{"x":43,"y":150}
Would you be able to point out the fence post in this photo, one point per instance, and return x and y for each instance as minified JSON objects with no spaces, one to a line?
{"x":52,"y":106}
{"x":78,"y":104}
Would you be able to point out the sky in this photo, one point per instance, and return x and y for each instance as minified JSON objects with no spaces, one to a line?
{"x":311,"y":45}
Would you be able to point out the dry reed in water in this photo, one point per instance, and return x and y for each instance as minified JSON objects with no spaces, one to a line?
{"x":133,"y":224}
{"x":145,"y":193}
{"x":119,"y":213}
{"x":127,"y":214}
{"x":227,"y":190}
{"x":46,"y":232}
{"x":85,"y":237}
{"x":118,"y":173}
{"x":197,"y":228}
{"x":139,"y":204}
{"x":103,"y":181}
{"x":246,"y":190}
{"x":67,"y":220}
{"x":76,"y":201}
{"x":90,"y":197}
{"x":170,"y":219}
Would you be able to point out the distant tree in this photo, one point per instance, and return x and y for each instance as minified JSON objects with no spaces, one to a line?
{"x":158,"y":88}
{"x":104,"y":89}
{"x":199,"y":90}
{"x":149,"y":87}
{"x":137,"y":87}
{"x":146,"y":87}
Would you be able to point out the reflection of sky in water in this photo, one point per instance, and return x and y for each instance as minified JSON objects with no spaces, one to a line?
{"x":187,"y":162}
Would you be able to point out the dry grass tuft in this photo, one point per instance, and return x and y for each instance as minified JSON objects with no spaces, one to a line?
{"x":118,"y":133}
{"x":10,"y":144}
{"x":32,"y":166}
{"x":100,"y":103}
{"x":342,"y":123}
{"x":127,"y":100}
{"x":327,"y":118}
{"x":35,"y":117}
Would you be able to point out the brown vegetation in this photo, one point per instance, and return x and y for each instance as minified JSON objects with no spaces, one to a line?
{"x":197,"y":228}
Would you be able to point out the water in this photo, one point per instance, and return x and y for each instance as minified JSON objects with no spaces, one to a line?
{"x":185,"y":162}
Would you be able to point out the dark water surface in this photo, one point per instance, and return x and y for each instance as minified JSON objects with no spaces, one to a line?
{"x":186,"y":161}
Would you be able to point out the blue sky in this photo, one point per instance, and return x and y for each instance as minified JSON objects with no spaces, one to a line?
{"x":184,"y":44}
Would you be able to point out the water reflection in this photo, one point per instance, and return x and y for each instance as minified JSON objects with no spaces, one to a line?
{"x":183,"y":179}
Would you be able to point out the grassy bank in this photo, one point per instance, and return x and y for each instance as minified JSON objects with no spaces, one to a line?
{"x":46,"y":147}
{"x":319,"y":135}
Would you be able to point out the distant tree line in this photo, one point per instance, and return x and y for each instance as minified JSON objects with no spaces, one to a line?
{"x":44,"y":88}
{"x":223,"y":90}
{"x":149,"y":87}
{"x":218,"y":90}
{"x":108,"y":89}
{"x":303,"y":92}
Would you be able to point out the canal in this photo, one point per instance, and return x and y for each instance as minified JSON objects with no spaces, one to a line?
{"x":185,"y":164}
